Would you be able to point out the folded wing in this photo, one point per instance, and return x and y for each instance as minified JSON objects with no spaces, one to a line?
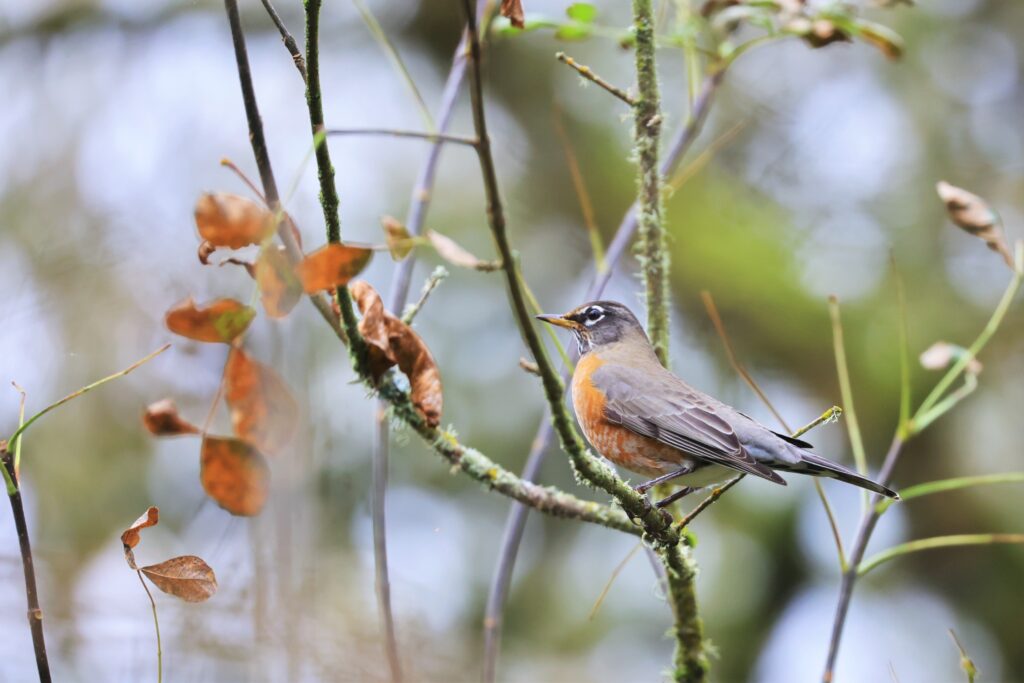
{"x":668,"y":412}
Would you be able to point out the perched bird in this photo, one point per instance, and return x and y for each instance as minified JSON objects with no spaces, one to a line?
{"x":640,"y":416}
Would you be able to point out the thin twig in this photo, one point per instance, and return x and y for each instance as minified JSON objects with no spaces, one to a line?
{"x":396,"y":133}
{"x":244,"y":178}
{"x":586,"y":206}
{"x":856,"y":441}
{"x":396,"y":59}
{"x":399,"y":292}
{"x":156,"y":625}
{"x":589,"y":74}
{"x":875,"y":508}
{"x":287,"y":39}
{"x":35,"y":614}
{"x":611,"y":579}
{"x":590,"y":468}
{"x":259,"y":149}
{"x":436,"y":278}
{"x":86,"y":389}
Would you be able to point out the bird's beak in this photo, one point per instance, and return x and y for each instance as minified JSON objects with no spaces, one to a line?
{"x":558,"y":321}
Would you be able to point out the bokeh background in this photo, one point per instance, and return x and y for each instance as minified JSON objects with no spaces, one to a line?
{"x":113,"y":119}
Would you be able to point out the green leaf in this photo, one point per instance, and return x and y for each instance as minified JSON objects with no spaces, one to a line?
{"x":936,"y":542}
{"x":582,"y":12}
{"x":573,"y":32}
{"x":942,"y":485}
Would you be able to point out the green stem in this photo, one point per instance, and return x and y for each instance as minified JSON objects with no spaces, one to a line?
{"x":156,"y":625}
{"x":974,"y":349}
{"x":933,"y":543}
{"x":89,"y":387}
{"x":845,"y":389}
{"x":953,"y":484}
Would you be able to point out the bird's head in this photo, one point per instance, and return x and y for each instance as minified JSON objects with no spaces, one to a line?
{"x":598,"y":324}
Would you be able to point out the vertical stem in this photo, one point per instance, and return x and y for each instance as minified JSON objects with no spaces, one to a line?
{"x":314,"y":100}
{"x":252,"y":112}
{"x":647,"y":130}
{"x":382,"y":582}
{"x":35,"y":614}
{"x":156,"y":625}
{"x":860,"y":543}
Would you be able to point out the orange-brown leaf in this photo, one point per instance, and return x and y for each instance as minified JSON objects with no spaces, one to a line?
{"x":187,"y":577}
{"x":392,"y":342}
{"x":331,"y":266}
{"x":263,"y":411}
{"x":130,"y":538}
{"x":234,"y":474}
{"x":280,"y":288}
{"x":513,"y":11}
{"x":227,"y":220}
{"x":973,"y":214}
{"x":219,"y":321}
{"x":162,"y":419}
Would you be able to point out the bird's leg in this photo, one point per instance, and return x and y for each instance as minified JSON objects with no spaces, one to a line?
{"x":648,"y":485}
{"x":668,"y":500}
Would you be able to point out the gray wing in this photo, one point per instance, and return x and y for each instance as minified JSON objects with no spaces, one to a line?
{"x":668,"y":411}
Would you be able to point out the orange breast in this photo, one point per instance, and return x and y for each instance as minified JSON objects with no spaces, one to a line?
{"x":620,"y":445}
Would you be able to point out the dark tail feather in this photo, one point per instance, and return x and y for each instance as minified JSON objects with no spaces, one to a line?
{"x":812,"y":464}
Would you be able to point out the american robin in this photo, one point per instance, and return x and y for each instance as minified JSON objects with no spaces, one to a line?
{"x":641,"y":417}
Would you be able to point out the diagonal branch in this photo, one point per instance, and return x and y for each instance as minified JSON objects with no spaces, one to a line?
{"x":587,"y":466}
{"x":516,"y":520}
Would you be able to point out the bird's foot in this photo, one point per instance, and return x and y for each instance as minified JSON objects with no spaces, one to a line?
{"x":646,"y":486}
{"x":668,"y":500}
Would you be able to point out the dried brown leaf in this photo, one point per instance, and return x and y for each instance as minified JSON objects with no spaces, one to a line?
{"x":234,"y":474}
{"x":162,"y":419}
{"x":187,"y":577}
{"x":331,"y":266}
{"x":263,"y":410}
{"x":205,"y":249}
{"x":219,"y":321}
{"x":392,"y":342}
{"x":973,"y":214}
{"x":227,"y":220}
{"x":130,"y":538}
{"x":455,"y":254}
{"x":513,"y":11}
{"x":280,"y":288}
{"x":398,"y":239}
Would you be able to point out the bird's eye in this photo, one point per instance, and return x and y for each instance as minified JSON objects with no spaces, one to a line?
{"x":593,"y":314}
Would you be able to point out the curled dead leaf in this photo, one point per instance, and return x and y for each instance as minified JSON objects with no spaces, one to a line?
{"x":131,"y":536}
{"x":161,"y":418}
{"x":455,"y":254}
{"x":971,"y":213}
{"x":187,"y":577}
{"x":941,"y":354}
{"x":398,"y":239}
{"x":235,"y":475}
{"x":219,"y":321}
{"x":331,"y":266}
{"x":227,"y":220}
{"x":205,"y":249}
{"x":280,"y":288}
{"x":392,"y":342}
{"x":513,"y":11}
{"x":263,"y":411}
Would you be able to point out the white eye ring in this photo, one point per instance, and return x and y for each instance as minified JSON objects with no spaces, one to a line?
{"x":589,"y":320}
